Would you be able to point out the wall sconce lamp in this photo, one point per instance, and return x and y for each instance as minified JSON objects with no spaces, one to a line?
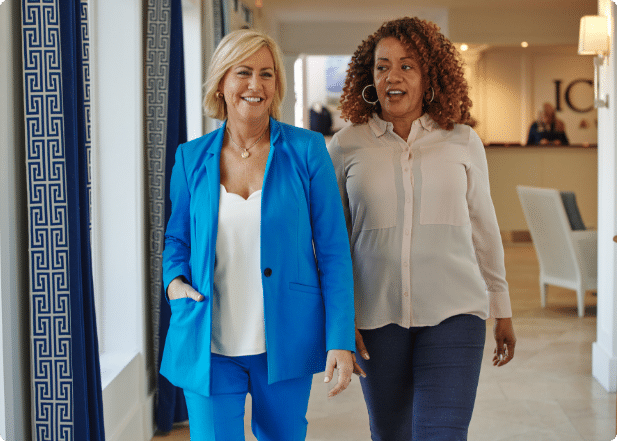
{"x":594,"y":40}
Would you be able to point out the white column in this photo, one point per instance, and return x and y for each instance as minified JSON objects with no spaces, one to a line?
{"x":471,"y":57}
{"x":120,"y":243}
{"x":289,"y":102}
{"x":604,"y":351}
{"x":14,"y":315}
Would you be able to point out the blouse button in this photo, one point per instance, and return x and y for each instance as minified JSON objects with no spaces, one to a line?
{"x":406,"y":294}
{"x":267,"y":272}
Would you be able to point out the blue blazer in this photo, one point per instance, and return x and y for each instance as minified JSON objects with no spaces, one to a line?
{"x":306,"y":270}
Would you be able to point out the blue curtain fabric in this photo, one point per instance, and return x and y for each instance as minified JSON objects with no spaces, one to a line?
{"x":67,"y":397}
{"x":166,"y":129}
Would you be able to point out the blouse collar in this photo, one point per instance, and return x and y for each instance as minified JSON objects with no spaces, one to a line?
{"x":379,"y":126}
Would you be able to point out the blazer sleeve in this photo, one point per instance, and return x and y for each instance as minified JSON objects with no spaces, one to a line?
{"x":177,"y":252}
{"x":331,"y":247}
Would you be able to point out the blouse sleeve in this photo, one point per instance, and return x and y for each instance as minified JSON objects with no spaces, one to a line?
{"x":338,"y":161}
{"x":485,"y":230}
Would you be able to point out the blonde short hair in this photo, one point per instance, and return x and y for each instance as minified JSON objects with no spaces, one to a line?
{"x":232,"y":49}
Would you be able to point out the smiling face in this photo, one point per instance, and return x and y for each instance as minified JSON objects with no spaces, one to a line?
{"x":249,"y":87}
{"x":398,"y":80}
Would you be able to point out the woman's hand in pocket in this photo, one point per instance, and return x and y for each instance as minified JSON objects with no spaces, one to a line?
{"x":179,"y":289}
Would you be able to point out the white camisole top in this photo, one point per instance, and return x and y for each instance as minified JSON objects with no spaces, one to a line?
{"x":237,"y":304}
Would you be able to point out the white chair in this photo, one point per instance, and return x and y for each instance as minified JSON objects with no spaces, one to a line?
{"x":567,"y":258}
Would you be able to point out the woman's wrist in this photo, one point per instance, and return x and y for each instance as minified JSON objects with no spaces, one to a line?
{"x":178,"y":281}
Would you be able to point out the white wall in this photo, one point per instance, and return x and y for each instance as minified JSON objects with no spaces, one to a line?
{"x":604,"y":350}
{"x":471,"y":25}
{"x":567,"y":68}
{"x":193,"y":67}
{"x":315,"y":79}
{"x":207,"y":37}
{"x":501,"y":81}
{"x":514,"y":83}
{"x":14,"y":316}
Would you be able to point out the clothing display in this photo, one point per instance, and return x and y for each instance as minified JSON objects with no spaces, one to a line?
{"x":423,"y":232}
{"x":320,"y":120}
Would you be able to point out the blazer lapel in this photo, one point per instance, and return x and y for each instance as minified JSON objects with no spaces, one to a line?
{"x":275,"y":138}
{"x":212,"y":166}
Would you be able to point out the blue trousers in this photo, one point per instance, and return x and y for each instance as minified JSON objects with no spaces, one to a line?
{"x":421,"y":382}
{"x":278,"y":412}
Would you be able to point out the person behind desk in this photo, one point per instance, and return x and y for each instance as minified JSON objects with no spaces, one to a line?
{"x":547,"y":129}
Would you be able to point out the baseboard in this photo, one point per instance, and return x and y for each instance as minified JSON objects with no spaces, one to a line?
{"x":604,"y":367}
{"x":128,"y":409}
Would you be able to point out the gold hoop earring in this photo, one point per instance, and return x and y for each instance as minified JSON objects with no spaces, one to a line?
{"x":364,"y":98}
{"x":219,"y":95}
{"x":433,"y":95}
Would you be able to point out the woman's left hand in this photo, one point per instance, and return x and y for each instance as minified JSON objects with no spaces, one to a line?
{"x":505,"y":340}
{"x":343,"y":361}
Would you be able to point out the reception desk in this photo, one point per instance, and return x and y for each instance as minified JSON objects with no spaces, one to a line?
{"x":572,"y":168}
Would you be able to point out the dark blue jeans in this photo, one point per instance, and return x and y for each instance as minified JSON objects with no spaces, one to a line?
{"x":421,"y":382}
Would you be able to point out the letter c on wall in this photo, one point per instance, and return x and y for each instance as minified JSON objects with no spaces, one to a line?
{"x":569,"y":90}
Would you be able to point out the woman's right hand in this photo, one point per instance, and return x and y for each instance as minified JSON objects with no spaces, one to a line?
{"x":179,"y":289}
{"x":360,"y":348}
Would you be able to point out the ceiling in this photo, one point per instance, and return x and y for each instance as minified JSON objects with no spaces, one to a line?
{"x":530,"y":5}
{"x":492,"y":22}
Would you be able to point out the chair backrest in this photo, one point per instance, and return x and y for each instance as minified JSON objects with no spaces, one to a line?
{"x":550,"y":231}
{"x":574,"y":215}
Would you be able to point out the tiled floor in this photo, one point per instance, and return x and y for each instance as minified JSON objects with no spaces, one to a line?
{"x":546,"y":393}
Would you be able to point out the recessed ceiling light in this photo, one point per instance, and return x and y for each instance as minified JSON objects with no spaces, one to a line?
{"x":524,"y":44}
{"x":464,"y":47}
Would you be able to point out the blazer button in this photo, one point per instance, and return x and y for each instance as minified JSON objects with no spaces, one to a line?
{"x":267,"y":272}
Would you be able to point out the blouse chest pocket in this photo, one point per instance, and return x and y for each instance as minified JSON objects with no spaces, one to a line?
{"x":372,"y":190}
{"x":443,"y":196}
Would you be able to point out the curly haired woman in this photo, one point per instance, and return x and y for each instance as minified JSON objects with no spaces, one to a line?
{"x":427,"y":254}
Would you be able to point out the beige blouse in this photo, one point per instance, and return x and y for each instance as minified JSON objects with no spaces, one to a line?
{"x":424,"y":237}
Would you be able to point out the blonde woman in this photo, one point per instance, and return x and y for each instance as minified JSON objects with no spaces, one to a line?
{"x":256,"y":261}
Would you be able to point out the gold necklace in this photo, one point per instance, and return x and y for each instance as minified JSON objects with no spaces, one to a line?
{"x":245,"y":154}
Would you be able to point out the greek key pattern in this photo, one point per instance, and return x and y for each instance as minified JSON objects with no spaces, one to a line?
{"x":52,"y":376}
{"x":85,"y":63}
{"x":157,"y":85}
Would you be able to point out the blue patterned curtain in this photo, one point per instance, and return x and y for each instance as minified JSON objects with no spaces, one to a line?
{"x":66,"y":384}
{"x":165,"y":130}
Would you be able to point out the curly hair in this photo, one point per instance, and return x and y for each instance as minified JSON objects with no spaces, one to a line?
{"x":442,"y":69}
